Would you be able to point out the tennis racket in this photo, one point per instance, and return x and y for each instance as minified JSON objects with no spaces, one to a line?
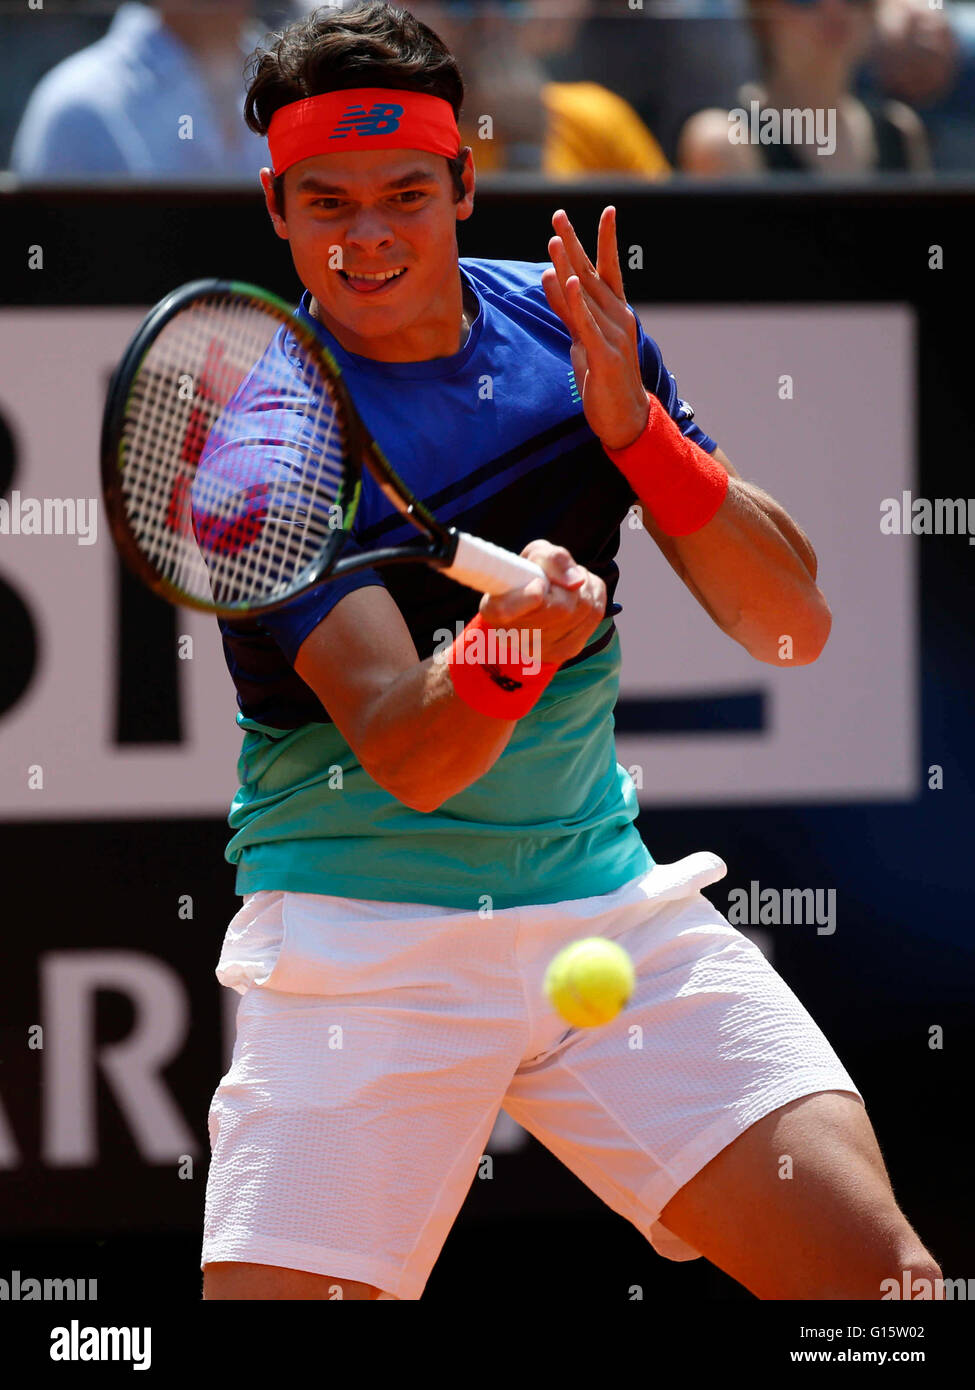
{"x":232,"y":460}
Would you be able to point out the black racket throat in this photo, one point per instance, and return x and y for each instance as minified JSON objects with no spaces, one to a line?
{"x":438,"y":551}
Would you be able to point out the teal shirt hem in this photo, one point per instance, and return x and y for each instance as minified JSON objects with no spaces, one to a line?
{"x":265,"y":872}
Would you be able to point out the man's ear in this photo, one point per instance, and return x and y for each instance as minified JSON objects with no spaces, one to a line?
{"x":465,"y":207}
{"x":271,"y":202}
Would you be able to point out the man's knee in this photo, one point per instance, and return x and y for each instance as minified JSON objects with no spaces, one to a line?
{"x":906,"y":1272}
{"x":913,"y":1274}
{"x":891,"y":1259}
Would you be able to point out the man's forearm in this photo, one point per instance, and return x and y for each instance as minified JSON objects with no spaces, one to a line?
{"x":754,"y":571}
{"x":736,"y":549}
{"x":422,"y":743}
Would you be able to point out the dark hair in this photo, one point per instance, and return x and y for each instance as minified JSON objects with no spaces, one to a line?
{"x":333,"y":49}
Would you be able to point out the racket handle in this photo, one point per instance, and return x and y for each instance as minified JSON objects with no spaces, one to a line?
{"x":489,"y":569}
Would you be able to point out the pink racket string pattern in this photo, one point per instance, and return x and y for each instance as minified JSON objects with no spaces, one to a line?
{"x":233,"y":453}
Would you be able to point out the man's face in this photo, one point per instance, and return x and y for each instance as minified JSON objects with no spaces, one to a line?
{"x":371,"y":212}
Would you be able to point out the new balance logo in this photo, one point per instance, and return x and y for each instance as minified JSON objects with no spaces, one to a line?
{"x":380,"y":119}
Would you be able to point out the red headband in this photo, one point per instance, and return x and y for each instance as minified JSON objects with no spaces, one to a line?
{"x":362,"y":118}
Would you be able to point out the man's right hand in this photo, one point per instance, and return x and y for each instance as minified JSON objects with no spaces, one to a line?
{"x":565,"y":611}
{"x":401,"y":716}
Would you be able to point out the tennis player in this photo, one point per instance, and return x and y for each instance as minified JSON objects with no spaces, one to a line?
{"x":423,"y":822}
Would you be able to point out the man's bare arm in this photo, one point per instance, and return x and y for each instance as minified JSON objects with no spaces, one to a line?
{"x":745,"y":565}
{"x":401,"y":716}
{"x":393,"y":709}
{"x":753,"y":571}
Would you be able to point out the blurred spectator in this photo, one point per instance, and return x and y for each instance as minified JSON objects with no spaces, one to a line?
{"x":926,"y":57}
{"x":159,"y":96}
{"x":668,"y":59}
{"x":564,"y":129}
{"x":31,"y":42}
{"x":809,"y":52}
{"x":560,"y":129}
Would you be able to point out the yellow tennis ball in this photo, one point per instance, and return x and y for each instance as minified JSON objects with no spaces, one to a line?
{"x":589,"y":981}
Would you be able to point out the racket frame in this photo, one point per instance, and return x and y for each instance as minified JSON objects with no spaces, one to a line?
{"x":438,"y":548}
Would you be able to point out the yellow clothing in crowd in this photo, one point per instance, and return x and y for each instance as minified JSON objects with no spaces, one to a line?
{"x":589,"y":129}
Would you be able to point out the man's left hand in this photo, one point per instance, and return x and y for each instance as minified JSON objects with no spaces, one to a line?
{"x":590,"y":302}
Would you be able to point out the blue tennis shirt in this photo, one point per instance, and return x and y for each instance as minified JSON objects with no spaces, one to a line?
{"x":493,"y":439}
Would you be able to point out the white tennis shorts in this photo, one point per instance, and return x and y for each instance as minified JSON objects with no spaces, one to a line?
{"x":377,"y":1042}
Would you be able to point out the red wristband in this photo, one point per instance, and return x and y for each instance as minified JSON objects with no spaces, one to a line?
{"x":486,"y":679}
{"x":681,"y":484}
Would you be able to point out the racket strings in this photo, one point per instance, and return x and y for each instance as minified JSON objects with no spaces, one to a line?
{"x":234,"y":454}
